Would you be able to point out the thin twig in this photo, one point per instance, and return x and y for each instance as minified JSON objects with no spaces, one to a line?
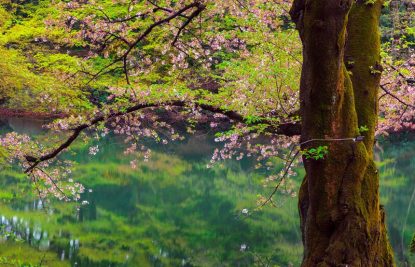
{"x":54,"y":183}
{"x":395,"y":97}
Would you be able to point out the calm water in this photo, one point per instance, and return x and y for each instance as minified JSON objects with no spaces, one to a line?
{"x":173,"y":211}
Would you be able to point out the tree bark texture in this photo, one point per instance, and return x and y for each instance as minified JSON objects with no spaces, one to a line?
{"x":342,"y":221}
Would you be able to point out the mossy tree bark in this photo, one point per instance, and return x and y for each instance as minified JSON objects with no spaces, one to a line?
{"x":342,"y":221}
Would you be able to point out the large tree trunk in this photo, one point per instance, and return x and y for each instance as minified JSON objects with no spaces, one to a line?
{"x":342,"y":221}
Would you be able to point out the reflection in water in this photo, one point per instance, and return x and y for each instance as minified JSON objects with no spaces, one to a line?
{"x":397,"y":168}
{"x":173,"y":211}
{"x":19,"y":229}
{"x":27,"y":126}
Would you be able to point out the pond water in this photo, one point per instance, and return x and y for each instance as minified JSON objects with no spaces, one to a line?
{"x":173,"y":211}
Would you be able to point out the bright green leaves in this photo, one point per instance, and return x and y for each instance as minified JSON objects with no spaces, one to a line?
{"x":3,"y":155}
{"x":370,"y":2}
{"x":375,"y":70}
{"x":315,"y":153}
{"x":251,"y":119}
{"x":363,"y":129}
{"x":36,"y":74}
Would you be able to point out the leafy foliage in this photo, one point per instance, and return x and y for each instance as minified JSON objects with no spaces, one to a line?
{"x":363,"y":129}
{"x":315,"y":153}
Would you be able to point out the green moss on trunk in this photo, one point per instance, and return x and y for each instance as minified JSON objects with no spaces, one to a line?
{"x":341,"y":218}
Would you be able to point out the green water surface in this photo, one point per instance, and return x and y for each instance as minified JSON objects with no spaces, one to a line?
{"x":174,"y":211}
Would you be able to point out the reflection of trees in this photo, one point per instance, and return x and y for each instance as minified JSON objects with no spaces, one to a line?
{"x":397,"y":190}
{"x":171,"y":211}
{"x":191,"y":211}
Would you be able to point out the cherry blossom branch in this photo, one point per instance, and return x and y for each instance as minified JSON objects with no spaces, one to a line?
{"x":157,"y":7}
{"x":199,"y":7}
{"x":288,"y":129}
{"x":287,"y":168}
{"x":387,"y":92}
{"x":54,"y":183}
{"x":407,"y":79}
{"x":187,"y":22}
{"x":121,"y":20}
{"x":34,"y":180}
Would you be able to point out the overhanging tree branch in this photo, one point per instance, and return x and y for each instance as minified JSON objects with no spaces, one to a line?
{"x":288,"y":129}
